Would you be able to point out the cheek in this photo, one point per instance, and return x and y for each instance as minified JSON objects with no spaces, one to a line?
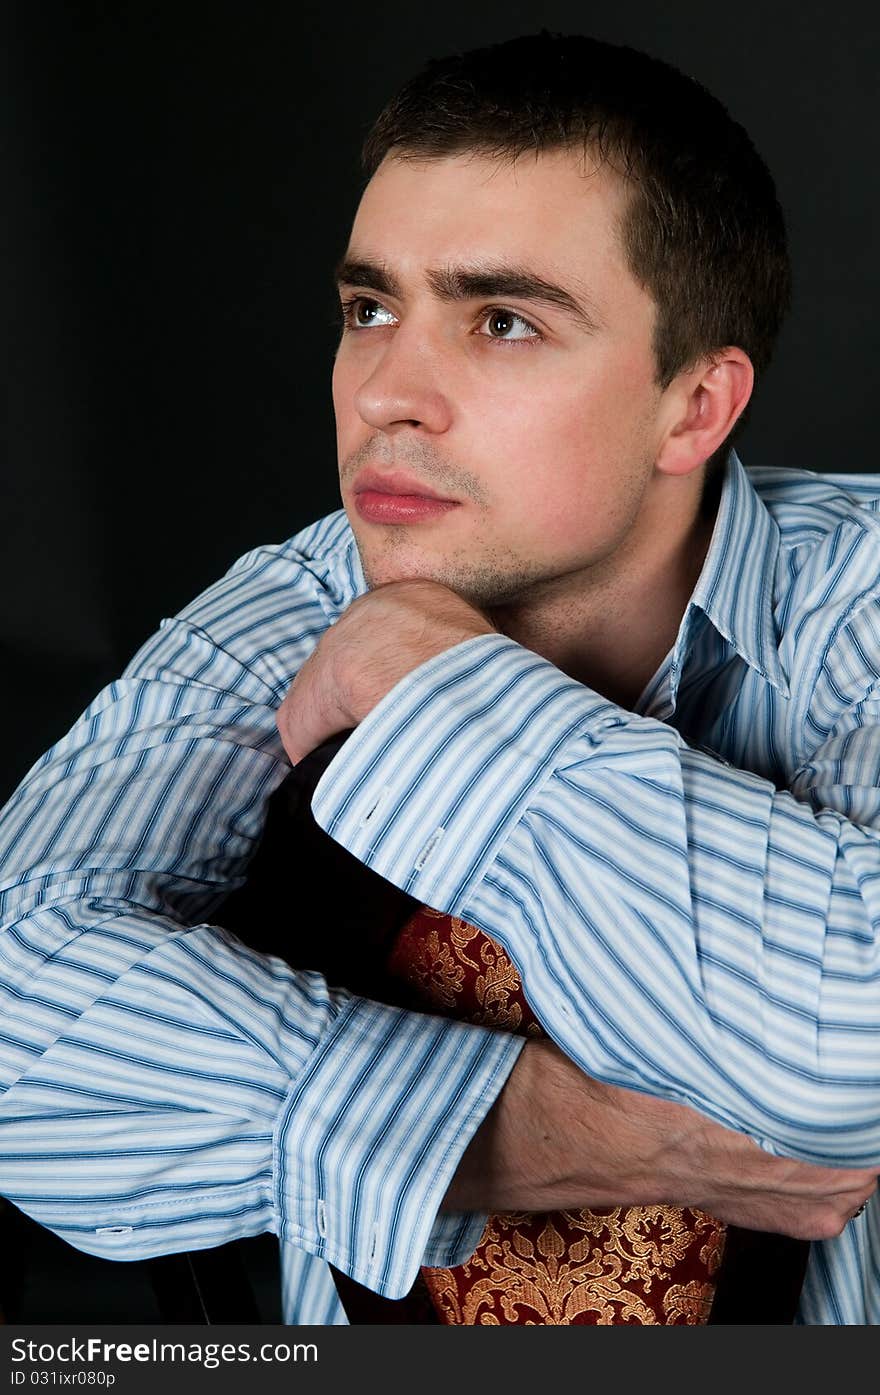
{"x":569,"y":454}
{"x":549,"y":431}
{"x":601,"y":397}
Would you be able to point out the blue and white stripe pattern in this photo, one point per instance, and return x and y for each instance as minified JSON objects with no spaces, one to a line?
{"x":161,"y":1086}
{"x":691,"y":892}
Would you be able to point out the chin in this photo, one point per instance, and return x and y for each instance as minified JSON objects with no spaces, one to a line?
{"x":486,"y":575}
{"x":398,"y":560}
{"x":484,"y":588}
{"x":382,"y":573}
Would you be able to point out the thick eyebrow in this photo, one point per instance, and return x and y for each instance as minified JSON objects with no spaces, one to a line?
{"x":516,"y":282}
{"x":454,"y":283}
{"x":374,"y":276}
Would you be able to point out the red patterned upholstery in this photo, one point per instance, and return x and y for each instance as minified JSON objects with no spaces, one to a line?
{"x":621,"y":1265}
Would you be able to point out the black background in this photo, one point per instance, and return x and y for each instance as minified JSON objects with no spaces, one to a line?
{"x":179,"y":181}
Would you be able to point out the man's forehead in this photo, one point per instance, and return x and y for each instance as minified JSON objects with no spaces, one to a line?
{"x":530,"y":188}
{"x":445,"y":221}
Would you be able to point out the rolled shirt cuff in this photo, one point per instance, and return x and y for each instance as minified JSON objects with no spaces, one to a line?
{"x":370,"y":1136}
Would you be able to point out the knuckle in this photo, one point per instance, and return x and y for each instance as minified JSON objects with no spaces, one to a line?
{"x":833,"y":1221}
{"x":813,"y":1222}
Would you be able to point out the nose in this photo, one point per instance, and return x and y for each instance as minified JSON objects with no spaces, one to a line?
{"x":405,"y":386}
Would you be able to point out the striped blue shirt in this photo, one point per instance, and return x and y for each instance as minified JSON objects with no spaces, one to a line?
{"x":691,"y":891}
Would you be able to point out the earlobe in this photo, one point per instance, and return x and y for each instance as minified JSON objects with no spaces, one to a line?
{"x":706,"y":404}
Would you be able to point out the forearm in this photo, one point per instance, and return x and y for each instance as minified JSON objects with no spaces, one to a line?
{"x":556,"y":1140}
{"x":668,"y":914}
{"x":162,"y":1086}
{"x":167,"y":1088}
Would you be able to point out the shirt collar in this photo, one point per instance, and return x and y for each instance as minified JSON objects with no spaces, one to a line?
{"x":737,"y":584}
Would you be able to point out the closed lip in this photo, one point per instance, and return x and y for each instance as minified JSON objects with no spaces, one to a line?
{"x":371,"y":481}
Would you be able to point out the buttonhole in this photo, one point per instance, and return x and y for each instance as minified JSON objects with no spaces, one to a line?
{"x":375,"y":806}
{"x":428,"y":848}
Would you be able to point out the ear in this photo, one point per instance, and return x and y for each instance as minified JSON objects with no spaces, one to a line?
{"x":702,"y":409}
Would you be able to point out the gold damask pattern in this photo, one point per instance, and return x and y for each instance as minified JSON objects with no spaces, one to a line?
{"x":483,"y":987}
{"x":577,"y":1267}
{"x":643,"y":1265}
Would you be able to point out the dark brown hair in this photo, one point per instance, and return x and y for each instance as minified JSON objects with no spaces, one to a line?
{"x":703,"y":231}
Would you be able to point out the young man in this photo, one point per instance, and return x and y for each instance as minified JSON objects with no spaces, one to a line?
{"x":614,"y":702}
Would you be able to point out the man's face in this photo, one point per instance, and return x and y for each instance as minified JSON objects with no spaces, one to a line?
{"x":496,"y":404}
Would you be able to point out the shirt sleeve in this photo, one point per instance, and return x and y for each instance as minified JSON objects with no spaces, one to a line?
{"x":162,"y":1086}
{"x":682,"y":927}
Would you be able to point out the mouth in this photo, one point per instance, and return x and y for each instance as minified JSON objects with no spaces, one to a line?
{"x":397,"y":498}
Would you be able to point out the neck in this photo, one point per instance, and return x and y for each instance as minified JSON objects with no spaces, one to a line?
{"x":611,"y":625}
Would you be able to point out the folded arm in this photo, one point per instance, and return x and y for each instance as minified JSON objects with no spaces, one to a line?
{"x":682,"y":927}
{"x":163,"y":1087}
{"x":555,"y":1139}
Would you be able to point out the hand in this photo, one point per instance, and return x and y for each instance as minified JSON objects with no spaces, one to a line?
{"x":555,"y":1140}
{"x":382,"y":637}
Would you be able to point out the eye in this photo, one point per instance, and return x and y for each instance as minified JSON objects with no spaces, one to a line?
{"x":359,"y":312}
{"x":507,"y":326}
